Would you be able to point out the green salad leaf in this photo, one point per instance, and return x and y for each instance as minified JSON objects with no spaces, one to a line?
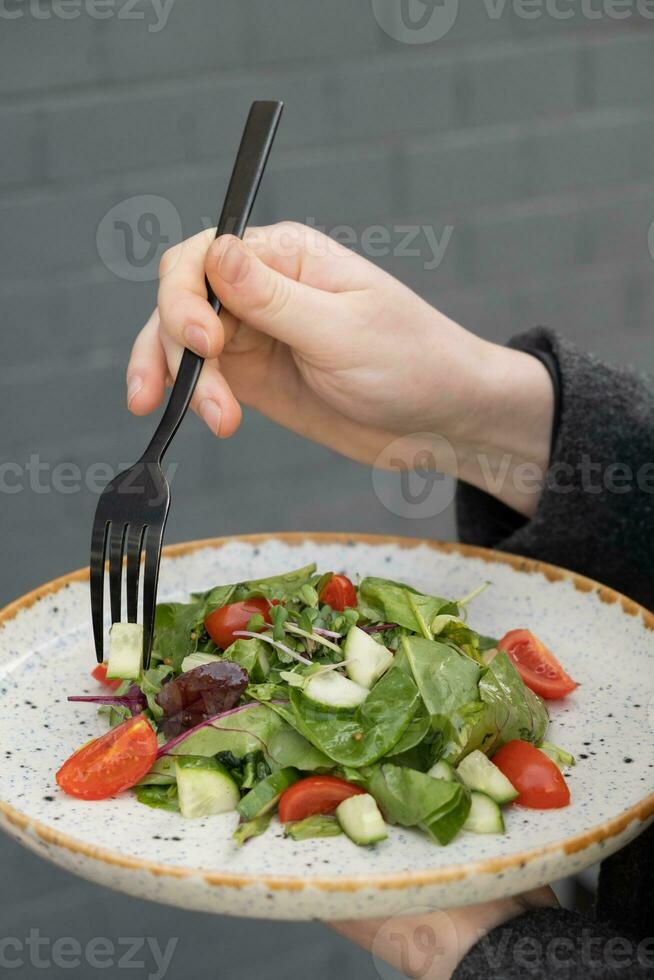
{"x":382,"y":600}
{"x":362,"y":736}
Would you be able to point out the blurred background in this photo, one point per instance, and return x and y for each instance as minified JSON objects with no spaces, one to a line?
{"x":498,"y":158}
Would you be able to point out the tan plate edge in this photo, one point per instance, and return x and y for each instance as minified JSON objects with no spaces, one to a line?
{"x":640,"y":812}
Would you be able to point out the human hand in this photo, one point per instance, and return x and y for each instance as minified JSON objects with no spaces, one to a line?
{"x":430,"y":946}
{"x":322,"y":341}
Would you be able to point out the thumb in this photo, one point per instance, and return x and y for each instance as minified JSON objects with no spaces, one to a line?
{"x":266,"y":299}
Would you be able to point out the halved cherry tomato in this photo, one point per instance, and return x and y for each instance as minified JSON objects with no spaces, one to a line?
{"x":537,"y":779}
{"x":538,"y":667}
{"x":315,"y":794}
{"x":223,"y":623}
{"x":339,"y":593}
{"x":100,"y":674}
{"x":111,"y":763}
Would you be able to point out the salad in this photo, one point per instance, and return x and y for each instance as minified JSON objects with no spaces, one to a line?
{"x":340,"y":708}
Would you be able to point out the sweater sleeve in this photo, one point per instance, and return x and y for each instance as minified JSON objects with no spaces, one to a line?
{"x":597,"y":509}
{"x":550,"y":943}
{"x":595,"y":517}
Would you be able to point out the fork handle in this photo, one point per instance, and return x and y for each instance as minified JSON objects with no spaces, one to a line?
{"x":251,"y":159}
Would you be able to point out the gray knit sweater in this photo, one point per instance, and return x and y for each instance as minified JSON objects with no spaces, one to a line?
{"x":606,"y":418}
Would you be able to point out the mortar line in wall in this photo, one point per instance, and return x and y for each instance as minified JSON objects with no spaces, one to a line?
{"x":108,"y":181}
{"x":475,"y":50}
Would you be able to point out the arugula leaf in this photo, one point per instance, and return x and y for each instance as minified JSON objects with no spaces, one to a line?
{"x":252,"y":828}
{"x":319,"y":825}
{"x":384,"y":601}
{"x":361,"y":736}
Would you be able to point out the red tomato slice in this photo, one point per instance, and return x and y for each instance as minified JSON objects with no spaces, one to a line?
{"x":100,"y":674}
{"x":538,"y":667}
{"x":537,"y":779}
{"x":223,"y":623}
{"x":316,"y":794}
{"x":111,"y":763}
{"x":339,"y":593}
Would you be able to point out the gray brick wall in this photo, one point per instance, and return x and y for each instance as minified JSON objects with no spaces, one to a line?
{"x":533,"y":139}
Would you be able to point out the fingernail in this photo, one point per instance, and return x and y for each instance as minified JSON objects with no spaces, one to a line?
{"x":233,"y":262}
{"x":134,"y":385}
{"x":197,"y":339}
{"x":211,"y":413}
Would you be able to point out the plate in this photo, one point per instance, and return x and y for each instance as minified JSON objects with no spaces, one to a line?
{"x":603,"y":639}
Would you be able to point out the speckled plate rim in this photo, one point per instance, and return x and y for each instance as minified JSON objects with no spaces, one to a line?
{"x":642,"y":811}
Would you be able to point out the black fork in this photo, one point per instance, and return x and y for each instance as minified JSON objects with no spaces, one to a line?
{"x":133,"y":509}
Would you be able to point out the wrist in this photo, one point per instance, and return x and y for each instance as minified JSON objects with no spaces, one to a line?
{"x":505,"y":450}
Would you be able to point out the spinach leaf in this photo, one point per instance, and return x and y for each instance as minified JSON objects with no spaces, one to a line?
{"x":412,"y":798}
{"x":159,"y":797}
{"x":276,"y":586}
{"x":382,"y":600}
{"x":251,"y":655}
{"x":361,"y":736}
{"x":512,"y":709}
{"x":446,"y":679}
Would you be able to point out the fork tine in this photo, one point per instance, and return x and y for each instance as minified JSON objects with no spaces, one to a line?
{"x":98,"y":548}
{"x":151,"y":577}
{"x":116,"y":544}
{"x":135,"y":537}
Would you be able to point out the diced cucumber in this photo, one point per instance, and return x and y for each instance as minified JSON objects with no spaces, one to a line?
{"x":361,"y":820}
{"x":479,"y":773}
{"x":485,"y":816}
{"x":330,"y":689}
{"x":205,"y":787}
{"x":198,"y":660}
{"x":125,"y":651}
{"x":443,"y":770}
{"x":366,"y":660}
{"x":265,"y":795}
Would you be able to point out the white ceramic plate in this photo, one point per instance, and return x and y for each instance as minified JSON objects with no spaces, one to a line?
{"x":604,"y":640}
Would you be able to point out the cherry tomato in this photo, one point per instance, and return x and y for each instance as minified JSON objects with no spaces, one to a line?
{"x":339,"y":593}
{"x":538,"y":667}
{"x":316,"y":794}
{"x":100,"y":674}
{"x":111,"y":763}
{"x":223,"y":623}
{"x":537,"y":779}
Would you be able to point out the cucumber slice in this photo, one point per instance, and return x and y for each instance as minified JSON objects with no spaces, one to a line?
{"x":265,"y":795}
{"x":366,"y":659}
{"x":205,"y":787}
{"x":479,"y":773}
{"x":331,"y":690}
{"x":125,"y":651}
{"x":361,"y":820}
{"x":485,"y":816}
{"x":443,"y":770}
{"x":198,"y":660}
